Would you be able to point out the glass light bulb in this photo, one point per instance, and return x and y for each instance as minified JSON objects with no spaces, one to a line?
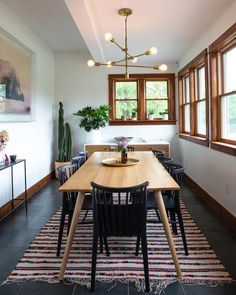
{"x":109,"y":64}
{"x":163,"y":67}
{"x":153,"y":50}
{"x":108,"y":36}
{"x":91,"y":63}
{"x":134,"y":60}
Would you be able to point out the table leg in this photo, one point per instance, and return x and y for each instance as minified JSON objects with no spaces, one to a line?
{"x":161,"y":206}
{"x":74,"y":222}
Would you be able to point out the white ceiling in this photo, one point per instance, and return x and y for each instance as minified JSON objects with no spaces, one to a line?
{"x":170,"y":25}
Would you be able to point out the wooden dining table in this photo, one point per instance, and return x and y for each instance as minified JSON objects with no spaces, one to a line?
{"x":147,"y":168}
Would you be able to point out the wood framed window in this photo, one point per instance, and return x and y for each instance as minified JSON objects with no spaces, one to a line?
{"x":193,"y":100}
{"x":223,"y":92}
{"x":143,"y":99}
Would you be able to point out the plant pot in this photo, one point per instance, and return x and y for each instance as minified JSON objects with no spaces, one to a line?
{"x":151,"y":117}
{"x":165,"y":117}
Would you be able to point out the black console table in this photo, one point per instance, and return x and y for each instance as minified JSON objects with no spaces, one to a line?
{"x":11,"y":166}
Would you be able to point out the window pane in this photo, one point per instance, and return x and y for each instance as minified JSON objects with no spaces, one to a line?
{"x":187,"y":118}
{"x":228,"y":107}
{"x":126,"y":90}
{"x":156,"y":89}
{"x":201,"y":117}
{"x":125,"y":108}
{"x":230,"y":70}
{"x":201,"y":81}
{"x":156,"y":107}
{"x":186,"y":90}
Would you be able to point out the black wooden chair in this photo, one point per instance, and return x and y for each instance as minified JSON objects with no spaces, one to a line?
{"x":119,"y":212}
{"x":165,"y":161}
{"x":68,"y":201}
{"x":172,"y":203}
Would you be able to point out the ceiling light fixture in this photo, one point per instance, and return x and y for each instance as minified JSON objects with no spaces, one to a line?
{"x":128,"y":57}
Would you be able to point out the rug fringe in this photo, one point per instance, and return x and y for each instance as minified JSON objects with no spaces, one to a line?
{"x":157,"y":286}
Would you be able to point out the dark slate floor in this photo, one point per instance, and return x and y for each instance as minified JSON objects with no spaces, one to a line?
{"x":17,"y":230}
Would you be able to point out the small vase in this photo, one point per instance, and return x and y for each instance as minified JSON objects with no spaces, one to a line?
{"x":124,"y":157}
{"x":2,"y":158}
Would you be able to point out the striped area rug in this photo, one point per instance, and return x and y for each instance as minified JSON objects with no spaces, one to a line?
{"x":200,"y":267}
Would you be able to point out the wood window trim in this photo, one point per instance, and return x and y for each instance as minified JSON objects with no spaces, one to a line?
{"x":170,"y":78}
{"x":198,"y":62}
{"x":221,"y":45}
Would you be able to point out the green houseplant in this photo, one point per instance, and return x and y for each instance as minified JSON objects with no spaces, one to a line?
{"x":164,"y":114}
{"x":93,"y":118}
{"x":64,"y":137}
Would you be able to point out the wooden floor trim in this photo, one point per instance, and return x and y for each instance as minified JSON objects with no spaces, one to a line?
{"x":7,"y":208}
{"x":228,"y":217}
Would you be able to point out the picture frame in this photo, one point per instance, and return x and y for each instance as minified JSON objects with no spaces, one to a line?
{"x":16,"y":80}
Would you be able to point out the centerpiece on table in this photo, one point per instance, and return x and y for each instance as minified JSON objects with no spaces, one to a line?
{"x":122,"y":147}
{"x":4,"y":137}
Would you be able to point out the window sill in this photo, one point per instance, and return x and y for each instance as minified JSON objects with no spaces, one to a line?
{"x":224,"y":147}
{"x":142,"y":122}
{"x":195,"y":139}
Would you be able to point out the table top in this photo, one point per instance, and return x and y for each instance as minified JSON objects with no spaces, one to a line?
{"x":148,"y":169}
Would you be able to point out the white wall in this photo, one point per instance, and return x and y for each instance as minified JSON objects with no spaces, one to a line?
{"x":33,"y":140}
{"x":214,"y":171}
{"x":78,"y":86}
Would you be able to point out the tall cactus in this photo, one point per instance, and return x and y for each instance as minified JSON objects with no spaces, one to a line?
{"x":67,"y":142}
{"x":64,"y":137}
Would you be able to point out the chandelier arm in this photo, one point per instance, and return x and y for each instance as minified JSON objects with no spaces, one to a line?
{"x":117,"y":44}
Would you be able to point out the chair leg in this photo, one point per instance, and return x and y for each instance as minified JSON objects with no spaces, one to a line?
{"x":85,"y":215}
{"x":145,"y":261}
{"x":94,"y":261}
{"x":137,"y":245}
{"x":181,"y":225}
{"x":106,"y":246}
{"x":173,"y":222}
{"x":101,"y":244}
{"x":62,"y":222}
{"x":158,"y":215}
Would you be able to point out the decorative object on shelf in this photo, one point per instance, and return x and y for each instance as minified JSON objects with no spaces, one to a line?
{"x":13,"y":158}
{"x":127,"y":56}
{"x":93,"y":118}
{"x":164,"y":114}
{"x":151,"y":113}
{"x":4,"y":137}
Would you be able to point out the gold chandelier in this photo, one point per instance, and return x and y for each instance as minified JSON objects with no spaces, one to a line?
{"x":128,"y":57}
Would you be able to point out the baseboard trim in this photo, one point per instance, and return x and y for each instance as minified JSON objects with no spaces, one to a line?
{"x":228,"y":217}
{"x":7,"y":208}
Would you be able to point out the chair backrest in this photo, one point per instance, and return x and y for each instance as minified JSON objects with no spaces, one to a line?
{"x":177,"y":172}
{"x":68,"y":198}
{"x":119,"y":211}
{"x":65,"y":172}
{"x":158,"y":153}
{"x":78,"y":161}
{"x":165,"y":161}
{"x":130,"y":148}
{"x":113,"y":148}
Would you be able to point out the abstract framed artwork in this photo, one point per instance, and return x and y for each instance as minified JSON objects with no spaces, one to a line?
{"x":16,"y":79}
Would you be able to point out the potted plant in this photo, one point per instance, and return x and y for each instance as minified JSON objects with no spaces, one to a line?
{"x":64,"y":140}
{"x":151,"y":113}
{"x":93,"y":118}
{"x":134,"y":114}
{"x":164,"y":114}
